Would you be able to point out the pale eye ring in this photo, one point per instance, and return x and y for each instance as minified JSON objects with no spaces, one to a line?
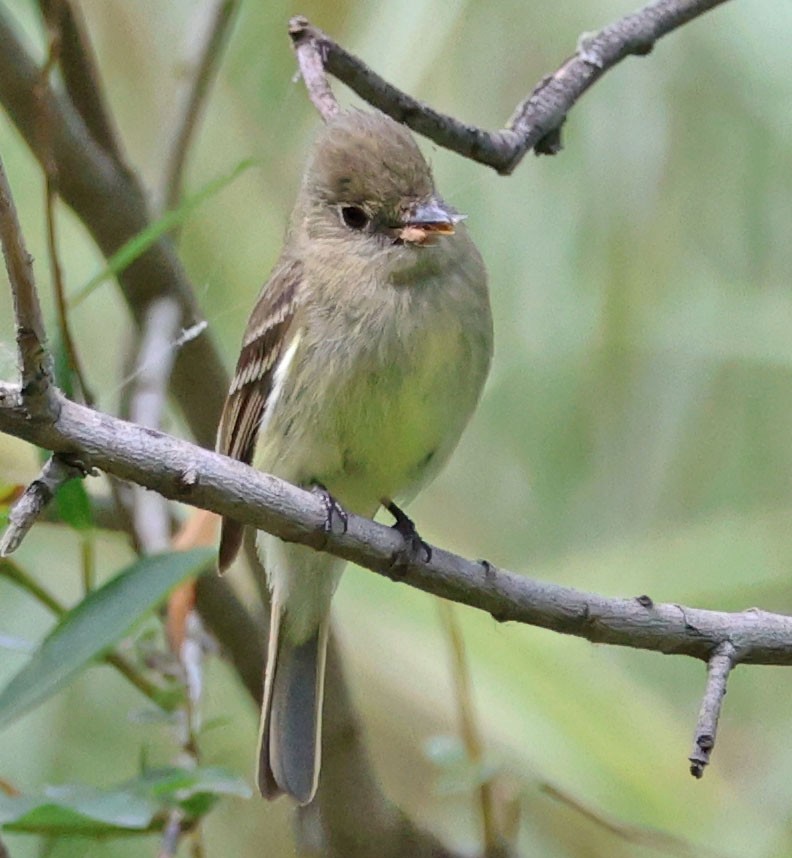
{"x":354,"y":217}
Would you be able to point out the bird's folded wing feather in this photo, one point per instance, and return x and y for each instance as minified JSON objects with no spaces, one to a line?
{"x":265,"y":341}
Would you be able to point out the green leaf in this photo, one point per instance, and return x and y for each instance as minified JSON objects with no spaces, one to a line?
{"x":74,"y":505}
{"x":139,"y":244}
{"x":137,"y":805}
{"x":9,"y":493}
{"x":196,"y":791}
{"x":77,"y":810}
{"x":181,"y":784}
{"x":94,"y":625}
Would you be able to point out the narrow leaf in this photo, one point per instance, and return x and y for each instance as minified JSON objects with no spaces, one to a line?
{"x":140,"y":243}
{"x":137,"y":805}
{"x":77,"y":810}
{"x":96,"y":624}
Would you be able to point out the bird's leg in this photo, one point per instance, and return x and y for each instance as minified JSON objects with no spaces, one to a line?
{"x":413,"y":543}
{"x":333,"y":510}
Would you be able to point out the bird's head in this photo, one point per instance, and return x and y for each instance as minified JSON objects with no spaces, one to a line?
{"x":368,"y":182}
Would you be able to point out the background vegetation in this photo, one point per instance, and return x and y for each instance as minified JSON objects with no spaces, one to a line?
{"x":634,"y":436}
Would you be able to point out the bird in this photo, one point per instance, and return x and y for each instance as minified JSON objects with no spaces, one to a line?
{"x":363,"y":360}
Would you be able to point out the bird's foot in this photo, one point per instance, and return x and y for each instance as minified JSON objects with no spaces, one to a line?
{"x":414,"y":546}
{"x":336,"y":518}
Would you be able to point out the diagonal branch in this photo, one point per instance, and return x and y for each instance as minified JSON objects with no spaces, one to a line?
{"x":181,"y":471}
{"x":536,"y":121}
{"x":25,"y":512}
{"x":215,"y":24}
{"x":112,"y":205}
{"x":35,"y":364}
{"x":78,"y":66}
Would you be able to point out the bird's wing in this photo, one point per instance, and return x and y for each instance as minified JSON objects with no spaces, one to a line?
{"x":265,"y":341}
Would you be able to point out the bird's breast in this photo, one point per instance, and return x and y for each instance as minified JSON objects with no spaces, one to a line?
{"x":375,"y":405}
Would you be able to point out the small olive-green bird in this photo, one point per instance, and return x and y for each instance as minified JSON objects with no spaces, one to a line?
{"x":363,"y":359}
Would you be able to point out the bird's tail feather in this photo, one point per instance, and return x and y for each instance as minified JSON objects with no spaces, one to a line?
{"x":291,"y":717}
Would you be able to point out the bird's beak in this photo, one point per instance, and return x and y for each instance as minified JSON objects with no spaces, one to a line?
{"x":427,"y":221}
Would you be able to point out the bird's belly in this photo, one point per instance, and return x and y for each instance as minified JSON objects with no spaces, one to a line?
{"x":385,"y":427}
{"x":394,"y":430}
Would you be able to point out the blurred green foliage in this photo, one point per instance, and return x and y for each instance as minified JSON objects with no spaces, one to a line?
{"x":634,"y":436}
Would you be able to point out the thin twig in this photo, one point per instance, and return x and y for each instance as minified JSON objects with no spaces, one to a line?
{"x":196,"y":845}
{"x":35,"y":363}
{"x":191,"y":659}
{"x":311,"y":61}
{"x":719,"y":666}
{"x":147,"y":404}
{"x":655,"y":840}
{"x":36,"y":497}
{"x":316,"y":52}
{"x":169,"y":845}
{"x":537,"y":120}
{"x":15,"y":573}
{"x":64,"y":327}
{"x":88,"y":561}
{"x":468,"y":725}
{"x":162,"y":697}
{"x":51,"y":194}
{"x":189,"y":644}
{"x":215,"y":25}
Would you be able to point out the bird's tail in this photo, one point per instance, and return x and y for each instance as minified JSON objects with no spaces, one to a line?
{"x":291,"y":716}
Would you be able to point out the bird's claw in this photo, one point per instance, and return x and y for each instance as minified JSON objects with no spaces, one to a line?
{"x":414,"y":546}
{"x":334,"y":512}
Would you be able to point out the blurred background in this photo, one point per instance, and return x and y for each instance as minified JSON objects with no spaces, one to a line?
{"x":634,"y":436}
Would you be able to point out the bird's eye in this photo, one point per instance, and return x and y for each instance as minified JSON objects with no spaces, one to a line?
{"x":354,"y":217}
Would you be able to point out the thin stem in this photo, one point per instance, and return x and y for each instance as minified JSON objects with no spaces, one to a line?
{"x":197,"y":845}
{"x":169,"y":845}
{"x":45,"y":133}
{"x":149,"y":689}
{"x":88,"y":562}
{"x":35,"y":362}
{"x":468,"y":725}
{"x":155,"y":359}
{"x":72,"y":357}
{"x":15,"y":573}
{"x":214,"y":39}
